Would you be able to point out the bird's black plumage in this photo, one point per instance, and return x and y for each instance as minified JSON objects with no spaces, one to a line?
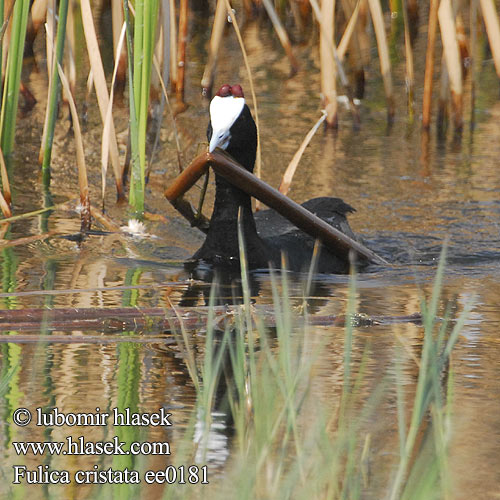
{"x":267,"y":234}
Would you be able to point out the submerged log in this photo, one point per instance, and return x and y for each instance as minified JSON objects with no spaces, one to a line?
{"x":153,"y":320}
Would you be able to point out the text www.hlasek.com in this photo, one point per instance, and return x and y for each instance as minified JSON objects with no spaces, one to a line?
{"x":81,"y":447}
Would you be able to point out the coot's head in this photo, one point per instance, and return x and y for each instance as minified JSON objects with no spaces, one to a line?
{"x":231,"y":126}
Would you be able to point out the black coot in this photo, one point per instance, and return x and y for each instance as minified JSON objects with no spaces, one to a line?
{"x":267,"y":234}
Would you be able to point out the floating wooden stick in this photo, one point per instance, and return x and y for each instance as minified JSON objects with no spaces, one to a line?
{"x":223,"y":165}
{"x":336,"y":241}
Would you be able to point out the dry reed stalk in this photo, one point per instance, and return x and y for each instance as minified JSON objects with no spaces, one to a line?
{"x":442,"y":118}
{"x":282,"y":34}
{"x":347,"y":35}
{"x":356,"y":58}
{"x":490,"y":17}
{"x":231,"y":14}
{"x":67,"y":205}
{"x":207,"y":81}
{"x":410,"y":73}
{"x":5,"y":182}
{"x":6,"y":30}
{"x":165,"y":25}
{"x":424,"y":152}
{"x":452,"y":58}
{"x":173,"y":45}
{"x":27,"y":240}
{"x":101,"y":90}
{"x":181,"y":51}
{"x":117,"y":20}
{"x":473,"y":43}
{"x":297,"y":18}
{"x":383,"y":52}
{"x":70,"y":50}
{"x":162,"y":53}
{"x":463,"y":45}
{"x":180,"y":159}
{"x":155,"y":91}
{"x":248,"y":7}
{"x":340,"y":68}
{"x":429,"y":64}
{"x":38,"y":14}
{"x":104,"y":220}
{"x":287,"y":178}
{"x":5,"y":196}
{"x":80,"y":155}
{"x":364,"y":39}
{"x":108,"y":120}
{"x":50,"y":28}
{"x":4,"y":206}
{"x":327,"y":63}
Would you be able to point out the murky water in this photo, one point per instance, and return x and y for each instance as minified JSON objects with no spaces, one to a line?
{"x":408,"y":203}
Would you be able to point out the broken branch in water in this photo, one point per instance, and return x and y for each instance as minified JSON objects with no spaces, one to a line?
{"x":333,"y":239}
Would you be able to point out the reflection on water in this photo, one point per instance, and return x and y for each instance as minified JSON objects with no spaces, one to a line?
{"x":407,"y":204}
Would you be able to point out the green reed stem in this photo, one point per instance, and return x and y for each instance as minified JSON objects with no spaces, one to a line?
{"x":54,"y":90}
{"x":146,"y":19}
{"x":10,"y":96}
{"x":2,"y":14}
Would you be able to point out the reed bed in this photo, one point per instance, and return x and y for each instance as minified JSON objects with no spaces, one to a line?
{"x":342,"y":30}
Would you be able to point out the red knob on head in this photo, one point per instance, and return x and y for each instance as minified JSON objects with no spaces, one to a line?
{"x":224,"y":91}
{"x":237,"y":91}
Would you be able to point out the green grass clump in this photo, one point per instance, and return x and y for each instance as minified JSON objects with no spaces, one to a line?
{"x":289,"y":444}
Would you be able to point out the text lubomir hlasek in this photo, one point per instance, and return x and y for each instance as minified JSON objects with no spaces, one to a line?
{"x":56,"y":418}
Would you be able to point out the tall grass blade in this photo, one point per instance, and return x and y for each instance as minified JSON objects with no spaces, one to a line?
{"x":12,"y":79}
{"x":2,"y":34}
{"x":146,"y":20}
{"x":428,"y":393}
{"x":53,"y":99}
